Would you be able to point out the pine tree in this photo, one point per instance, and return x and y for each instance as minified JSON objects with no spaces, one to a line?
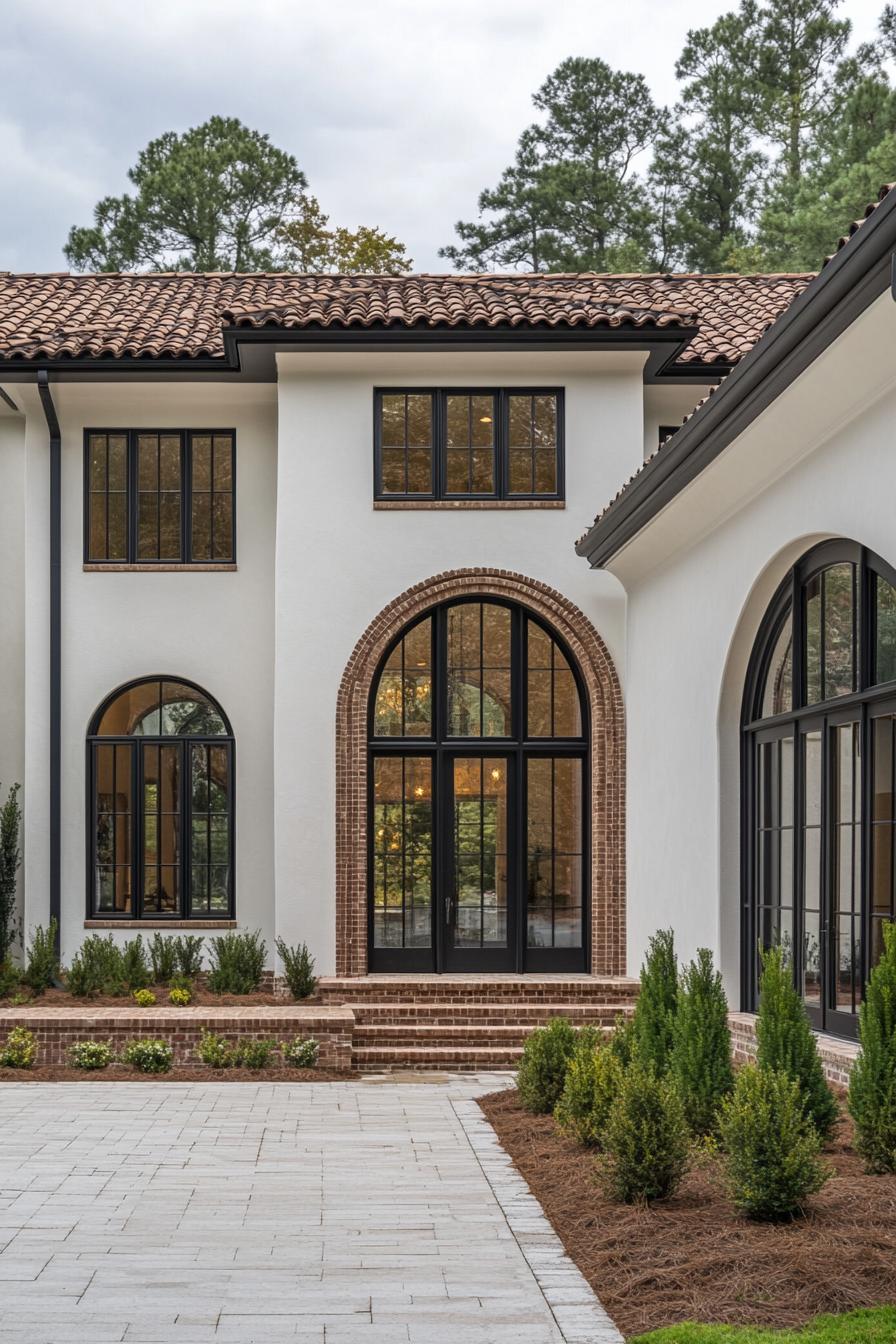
{"x":654,"y":1017}
{"x":785,"y":1040}
{"x":872,"y":1086}
{"x":700,"y":1064}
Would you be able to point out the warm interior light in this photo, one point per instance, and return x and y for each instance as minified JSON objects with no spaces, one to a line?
{"x":496,"y":775}
{"x":419,"y":791}
{"x":485,"y":419}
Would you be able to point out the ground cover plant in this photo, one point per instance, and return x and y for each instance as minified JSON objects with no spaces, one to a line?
{"x":148,"y":1055}
{"x":90,"y":1055}
{"x":19,"y":1050}
{"x":302,"y":1052}
{"x":876,"y":1325}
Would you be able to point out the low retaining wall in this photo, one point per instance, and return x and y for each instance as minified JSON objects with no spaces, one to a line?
{"x":837,"y":1056}
{"x":58,"y":1028}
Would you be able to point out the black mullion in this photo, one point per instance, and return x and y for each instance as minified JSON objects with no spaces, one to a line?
{"x":186,"y":493}
{"x":482,"y":851}
{"x":106,"y":501}
{"x":404,"y":832}
{"x":402,"y":685}
{"x":407,"y":468}
{"x":133,"y":501}
{"x":553,"y":852}
{"x":481,"y":606}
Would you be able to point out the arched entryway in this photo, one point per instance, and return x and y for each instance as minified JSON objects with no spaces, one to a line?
{"x":480,"y":727}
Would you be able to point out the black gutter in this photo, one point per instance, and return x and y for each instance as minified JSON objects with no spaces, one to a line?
{"x":43,"y":387}
{"x":857,"y":275}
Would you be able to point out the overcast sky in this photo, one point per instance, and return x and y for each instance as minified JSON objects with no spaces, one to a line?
{"x":399,"y":111}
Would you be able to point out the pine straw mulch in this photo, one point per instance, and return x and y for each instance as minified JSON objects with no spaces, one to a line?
{"x":200,"y":997}
{"x":187,"y":1073}
{"x":693,"y":1258}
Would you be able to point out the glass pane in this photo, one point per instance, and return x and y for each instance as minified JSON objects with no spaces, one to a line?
{"x":885,"y":653}
{"x":813,"y":641}
{"x":419,"y":420}
{"x":169,"y":462}
{"x":210,"y":838}
{"x":554,"y":847}
{"x":96,"y":527}
{"x":393,"y":468}
{"x":520,"y":422}
{"x":469,"y":437}
{"x":777,"y":695}
{"x":520,"y":472}
{"x":403,"y":702}
{"x":545,"y":417}
{"x":118,"y":462}
{"x":169,"y":527}
{"x":187,"y":712}
{"x":457,"y":421}
{"x":402,"y":851}
{"x":553,"y":707}
{"x":223,"y":477}
{"x":479,"y":909}
{"x":846,"y":835}
{"x":883,"y":817}
{"x":113,"y":809}
{"x":457,"y":471}
{"x":479,"y":670}
{"x":148,"y":462}
{"x":419,"y":471}
{"x":133,"y":712}
{"x":202,"y":461}
{"x":838,"y":630}
{"x":392,"y":424}
{"x":117,"y":543}
{"x":811,"y":894}
{"x":96,"y":459}
{"x":201,"y":526}
{"x":148,"y":526}
{"x":161,"y":801}
{"x":223,"y":527}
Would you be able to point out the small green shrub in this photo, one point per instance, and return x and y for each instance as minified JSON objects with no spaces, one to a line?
{"x":96,"y":968}
{"x":237,"y":963}
{"x":542,"y":1072}
{"x":20,"y":1049}
{"x":301,"y":1052}
{"x":134,"y":964}
{"x":10,"y":979}
{"x":42,"y":964}
{"x":770,"y":1145}
{"x":700,"y":1064}
{"x":593,"y":1079}
{"x":872,"y":1085}
{"x":785,"y":1041}
{"x":215,"y":1051}
{"x":148,"y":1055}
{"x":298,"y":969}
{"x":144,"y":998}
{"x":179,"y":997}
{"x":90,"y":1055}
{"x":646,"y":1139}
{"x":188,"y":952}
{"x":10,"y":862}
{"x":18,"y":1000}
{"x":163,"y":958}
{"x":654,"y":1016}
{"x":254,"y":1054}
{"x":622,"y":1040}
{"x":179,"y":981}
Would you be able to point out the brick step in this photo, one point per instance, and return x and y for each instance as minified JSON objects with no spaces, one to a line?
{"x":425,"y":1034}
{"x":451,"y":1058}
{"x":476,"y":1014}
{"x":417,"y":991}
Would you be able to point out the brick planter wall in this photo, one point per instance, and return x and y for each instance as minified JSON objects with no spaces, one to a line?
{"x":837,"y":1056}
{"x":58,"y":1028}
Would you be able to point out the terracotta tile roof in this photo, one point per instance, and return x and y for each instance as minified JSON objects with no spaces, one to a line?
{"x":183,"y":315}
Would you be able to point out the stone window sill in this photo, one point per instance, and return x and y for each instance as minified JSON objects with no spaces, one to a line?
{"x":95,"y":567}
{"x":440,"y":505}
{"x":160,"y":923}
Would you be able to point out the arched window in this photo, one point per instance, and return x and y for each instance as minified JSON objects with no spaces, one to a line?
{"x":478,"y":796}
{"x":819,"y":753}
{"x":160,"y":790}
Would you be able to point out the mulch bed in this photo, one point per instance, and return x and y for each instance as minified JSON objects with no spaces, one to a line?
{"x":200,"y":997}
{"x":693,"y":1258}
{"x":118,"y":1073}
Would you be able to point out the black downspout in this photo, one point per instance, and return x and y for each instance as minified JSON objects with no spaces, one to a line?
{"x":43,"y":387}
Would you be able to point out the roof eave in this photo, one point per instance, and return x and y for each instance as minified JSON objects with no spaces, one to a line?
{"x":854,"y":277}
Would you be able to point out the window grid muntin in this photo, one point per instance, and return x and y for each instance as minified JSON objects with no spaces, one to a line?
{"x":502,"y":435}
{"x":867,"y":702}
{"x":132,"y":556}
{"x":135,"y":745}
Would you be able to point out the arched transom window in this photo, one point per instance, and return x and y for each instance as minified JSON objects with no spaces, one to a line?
{"x":160,"y":790}
{"x":478,"y":818}
{"x":820,"y":731}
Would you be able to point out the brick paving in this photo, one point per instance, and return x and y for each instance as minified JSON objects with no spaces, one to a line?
{"x":341,"y":1213}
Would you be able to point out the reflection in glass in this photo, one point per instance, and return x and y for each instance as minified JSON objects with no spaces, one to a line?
{"x":554,"y":851}
{"x":113,"y":773}
{"x":403,"y":701}
{"x":211,"y":497}
{"x":814,"y":685}
{"x":553,"y":708}
{"x":479,"y":670}
{"x":777,"y":694}
{"x":402,"y":851}
{"x":532,"y":446}
{"x":479,"y":915}
{"x":161,"y":808}
{"x":846,"y":831}
{"x":470,"y":423}
{"x":107,"y":527}
{"x":812,"y":794}
{"x":406,"y":443}
{"x":839,"y":584}
{"x":885,"y":622}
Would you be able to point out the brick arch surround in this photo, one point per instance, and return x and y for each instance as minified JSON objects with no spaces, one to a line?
{"x":607,"y":756}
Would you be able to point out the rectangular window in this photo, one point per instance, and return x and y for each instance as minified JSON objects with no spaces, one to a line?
{"x":159,"y":496}
{"x":468,"y":444}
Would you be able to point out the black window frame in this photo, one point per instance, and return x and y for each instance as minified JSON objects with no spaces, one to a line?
{"x":869,"y":700}
{"x":184,"y":742}
{"x":133,"y":560}
{"x":439,"y":491}
{"x":440,"y":747}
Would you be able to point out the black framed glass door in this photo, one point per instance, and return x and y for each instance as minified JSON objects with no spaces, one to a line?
{"x":478,"y":808}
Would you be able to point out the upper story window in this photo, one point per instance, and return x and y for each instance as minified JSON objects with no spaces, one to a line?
{"x":159,"y":496}
{"x":479,"y":443}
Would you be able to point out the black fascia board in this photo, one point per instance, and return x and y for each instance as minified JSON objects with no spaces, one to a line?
{"x":854,"y":277}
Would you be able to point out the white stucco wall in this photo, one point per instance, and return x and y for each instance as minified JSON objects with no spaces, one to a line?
{"x":216,"y":629}
{"x":340,"y":562}
{"x":818,"y":463}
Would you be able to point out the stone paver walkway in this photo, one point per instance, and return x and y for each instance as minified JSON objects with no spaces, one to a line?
{"x":339,"y":1213}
